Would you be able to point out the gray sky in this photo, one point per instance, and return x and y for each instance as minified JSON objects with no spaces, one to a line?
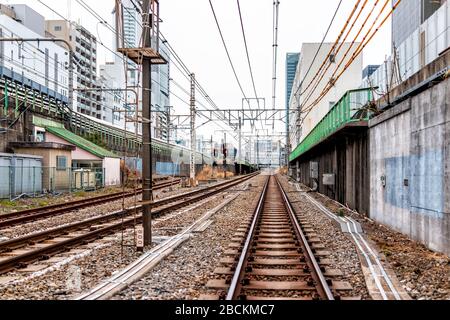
{"x":190,"y":28}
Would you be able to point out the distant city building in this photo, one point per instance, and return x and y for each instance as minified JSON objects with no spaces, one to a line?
{"x":29,"y":18}
{"x":161,"y":94}
{"x":409,"y":15}
{"x":85,"y":46}
{"x":420,"y":34}
{"x":131,"y":36}
{"x":265,"y":152}
{"x":292,"y":60}
{"x":45,"y":63}
{"x":369,"y":70}
{"x":112,"y":101}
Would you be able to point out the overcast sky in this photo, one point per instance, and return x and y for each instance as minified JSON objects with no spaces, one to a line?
{"x":190,"y":28}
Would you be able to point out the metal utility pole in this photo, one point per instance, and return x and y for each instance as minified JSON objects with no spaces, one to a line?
{"x":251,"y":155}
{"x":225,"y":155}
{"x":147,"y":183}
{"x":257,"y":150}
{"x":240,"y":146}
{"x":288,"y":149}
{"x":168,"y":123}
{"x":193,"y":183}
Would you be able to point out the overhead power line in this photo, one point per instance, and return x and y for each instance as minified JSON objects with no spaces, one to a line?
{"x":327,"y":58}
{"x":318,"y":79}
{"x":318,"y":49}
{"x":369,"y":36}
{"x":246,"y":51}
{"x":276,"y":5}
{"x":228,"y":53}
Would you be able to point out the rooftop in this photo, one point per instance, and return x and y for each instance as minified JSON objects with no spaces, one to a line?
{"x":81,"y":143}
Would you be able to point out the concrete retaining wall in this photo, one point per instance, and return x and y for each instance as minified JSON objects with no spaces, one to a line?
{"x":410,"y":151}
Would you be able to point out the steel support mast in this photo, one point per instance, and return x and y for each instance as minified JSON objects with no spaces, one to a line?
{"x":240,"y":147}
{"x":193,"y":183}
{"x":147,"y":183}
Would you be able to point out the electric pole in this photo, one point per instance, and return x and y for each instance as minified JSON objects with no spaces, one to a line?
{"x":225,"y":155}
{"x":257,"y":150}
{"x":193,"y":135}
{"x":147,"y":183}
{"x":287,"y":150}
{"x":240,"y":146}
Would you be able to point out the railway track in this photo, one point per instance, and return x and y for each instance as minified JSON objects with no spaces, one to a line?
{"x":274,"y":257}
{"x":21,"y":251}
{"x":12,"y":219}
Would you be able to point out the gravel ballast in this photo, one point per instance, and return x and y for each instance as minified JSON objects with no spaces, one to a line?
{"x":183,"y":275}
{"x":423,"y":273}
{"x":342,"y":249}
{"x":98,"y":261}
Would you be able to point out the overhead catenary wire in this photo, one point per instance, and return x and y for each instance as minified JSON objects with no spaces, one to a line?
{"x":228,"y":53}
{"x":247,"y":51}
{"x":361,"y":28}
{"x":327,"y":63}
{"x":357,"y":52}
{"x":326,"y":60}
{"x":320,"y":47}
{"x":276,"y":12}
{"x":248,"y":55}
{"x":169,"y":46}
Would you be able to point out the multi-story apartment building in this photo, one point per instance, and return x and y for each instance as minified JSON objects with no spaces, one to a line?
{"x":161,"y":94}
{"x":113,"y":101}
{"x":85,"y":46}
{"x":45,"y":63}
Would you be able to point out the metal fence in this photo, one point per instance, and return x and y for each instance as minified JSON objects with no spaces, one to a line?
{"x":16,"y":182}
{"x":342,"y":113}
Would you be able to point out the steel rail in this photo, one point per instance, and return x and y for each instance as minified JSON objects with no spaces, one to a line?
{"x":175,"y":203}
{"x":236,"y":282}
{"x":321,"y":283}
{"x":12,"y":219}
{"x":44,"y":252}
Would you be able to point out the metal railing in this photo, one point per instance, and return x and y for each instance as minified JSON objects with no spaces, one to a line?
{"x":342,"y":113}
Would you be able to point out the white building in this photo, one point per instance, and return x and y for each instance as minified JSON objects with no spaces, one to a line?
{"x":301,"y":124}
{"x":85,"y":59}
{"x":45,"y":63}
{"x":130,"y":37}
{"x":112,"y":102}
{"x":265,"y":152}
{"x":420,"y":46}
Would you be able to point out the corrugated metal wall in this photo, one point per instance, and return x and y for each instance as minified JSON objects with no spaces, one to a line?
{"x":422,"y":47}
{"x":19,"y":175}
{"x":347,"y":158}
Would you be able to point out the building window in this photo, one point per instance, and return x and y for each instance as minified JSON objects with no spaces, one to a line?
{"x":40,"y":136}
{"x":61,"y":163}
{"x":57,"y":28}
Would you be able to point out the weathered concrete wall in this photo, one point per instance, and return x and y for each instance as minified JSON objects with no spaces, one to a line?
{"x":410,"y":147}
